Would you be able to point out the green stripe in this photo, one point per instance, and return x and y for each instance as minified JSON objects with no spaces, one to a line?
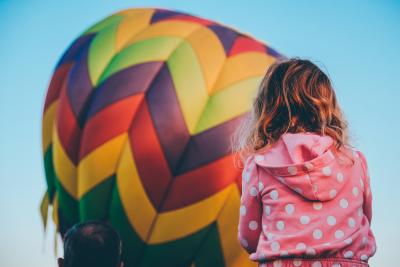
{"x":68,"y":207}
{"x":102,"y":49}
{"x":49,"y":172}
{"x":94,"y":205}
{"x":147,"y":50}
{"x":102,"y":24}
{"x":210,"y":252}
{"x":133,"y":247}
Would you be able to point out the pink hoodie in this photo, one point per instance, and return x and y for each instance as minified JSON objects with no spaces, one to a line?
{"x":302,"y":201}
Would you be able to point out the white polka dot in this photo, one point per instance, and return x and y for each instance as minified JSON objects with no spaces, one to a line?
{"x":348,"y":254}
{"x":355,"y":191}
{"x":292,"y":170}
{"x":360,"y":212}
{"x":259,"y":158}
{"x":242,"y":210}
{"x":280,"y":225}
{"x":246,"y":176}
{"x":260,"y":186}
{"x":274,"y":194}
{"x":263,"y":265}
{"x":304,"y":219}
{"x":277,"y":263}
{"x":244,"y":242}
{"x":270,"y":236}
{"x":253,"y":191}
{"x":309,"y":166}
{"x":339,"y":234}
{"x":336,"y":265}
{"x":344,"y":203}
{"x":351,"y":222}
{"x":361,"y":183}
{"x":253,"y":225}
{"x":284,"y":253}
{"x":317,"y":205}
{"x":331,"y":220}
{"x":317,"y":234}
{"x":326,"y":171}
{"x":267,"y":210}
{"x":348,"y":241}
{"x":326,"y":244}
{"x":339,"y":177}
{"x":301,"y":246}
{"x":316,"y":264}
{"x":289,"y":208}
{"x":275,"y":246}
{"x":332,"y":193}
{"x":364,"y":240}
{"x":311,"y":252}
{"x":264,"y":226}
{"x":364,"y":257}
{"x":297,"y":262}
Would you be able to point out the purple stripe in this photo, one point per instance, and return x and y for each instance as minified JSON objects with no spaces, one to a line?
{"x":225,"y":35}
{"x":163,"y":14}
{"x":79,"y":85}
{"x":73,"y":50}
{"x":167,"y":117}
{"x":127,"y":82}
{"x":208,"y":146}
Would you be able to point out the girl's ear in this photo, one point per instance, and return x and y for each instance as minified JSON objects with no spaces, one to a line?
{"x":60,"y":262}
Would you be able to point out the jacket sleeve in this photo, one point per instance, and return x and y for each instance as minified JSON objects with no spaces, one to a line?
{"x":250,"y":208}
{"x":367,"y":206}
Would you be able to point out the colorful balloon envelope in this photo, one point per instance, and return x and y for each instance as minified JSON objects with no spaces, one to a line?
{"x":137,"y":125}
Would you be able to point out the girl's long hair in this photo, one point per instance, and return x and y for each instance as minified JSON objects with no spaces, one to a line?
{"x":294,"y":96}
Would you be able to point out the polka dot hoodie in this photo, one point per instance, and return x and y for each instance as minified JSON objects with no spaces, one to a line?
{"x":305,"y":204}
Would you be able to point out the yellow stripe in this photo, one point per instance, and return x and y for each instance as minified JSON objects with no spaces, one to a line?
{"x":180,"y":29}
{"x":99,"y":164}
{"x":227,"y":223}
{"x":179,"y":223}
{"x":63,"y":166}
{"x":229,"y":103}
{"x":137,"y":206}
{"x":133,"y":23}
{"x":209,"y":53}
{"x":47,"y":125}
{"x":55,"y":211}
{"x":44,"y":209}
{"x":243,"y":66}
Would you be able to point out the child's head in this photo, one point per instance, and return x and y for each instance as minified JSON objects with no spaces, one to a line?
{"x":294,"y":96}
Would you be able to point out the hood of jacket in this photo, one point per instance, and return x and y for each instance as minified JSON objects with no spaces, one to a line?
{"x":305,"y":162}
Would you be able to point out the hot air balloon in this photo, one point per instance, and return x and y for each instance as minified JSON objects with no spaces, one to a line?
{"x":136,"y":131}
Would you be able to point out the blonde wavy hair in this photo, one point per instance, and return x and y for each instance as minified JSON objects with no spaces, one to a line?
{"x":294,"y":96}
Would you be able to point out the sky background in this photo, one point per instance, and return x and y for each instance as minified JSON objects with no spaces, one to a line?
{"x":356,"y":42}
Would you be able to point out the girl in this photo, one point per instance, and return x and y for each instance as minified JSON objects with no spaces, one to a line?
{"x":306,"y":198}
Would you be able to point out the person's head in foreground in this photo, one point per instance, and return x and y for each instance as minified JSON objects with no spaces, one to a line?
{"x":306,"y":198}
{"x":91,"y":243}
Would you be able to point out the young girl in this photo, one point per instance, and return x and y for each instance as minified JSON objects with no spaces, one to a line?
{"x":306,"y":198}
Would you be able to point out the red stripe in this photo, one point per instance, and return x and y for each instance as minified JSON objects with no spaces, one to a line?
{"x":56,"y":83}
{"x":108,"y":123}
{"x":149,"y":158}
{"x":67,"y":127}
{"x":201,"y":183}
{"x":246,"y":44}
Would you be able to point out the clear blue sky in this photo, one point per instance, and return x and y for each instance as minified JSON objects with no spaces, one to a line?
{"x":357,"y":42}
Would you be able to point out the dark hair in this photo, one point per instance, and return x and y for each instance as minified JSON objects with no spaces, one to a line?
{"x":294,"y":96}
{"x":92,"y":243}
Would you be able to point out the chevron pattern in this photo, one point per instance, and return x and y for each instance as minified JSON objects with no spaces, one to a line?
{"x":136,"y":131}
